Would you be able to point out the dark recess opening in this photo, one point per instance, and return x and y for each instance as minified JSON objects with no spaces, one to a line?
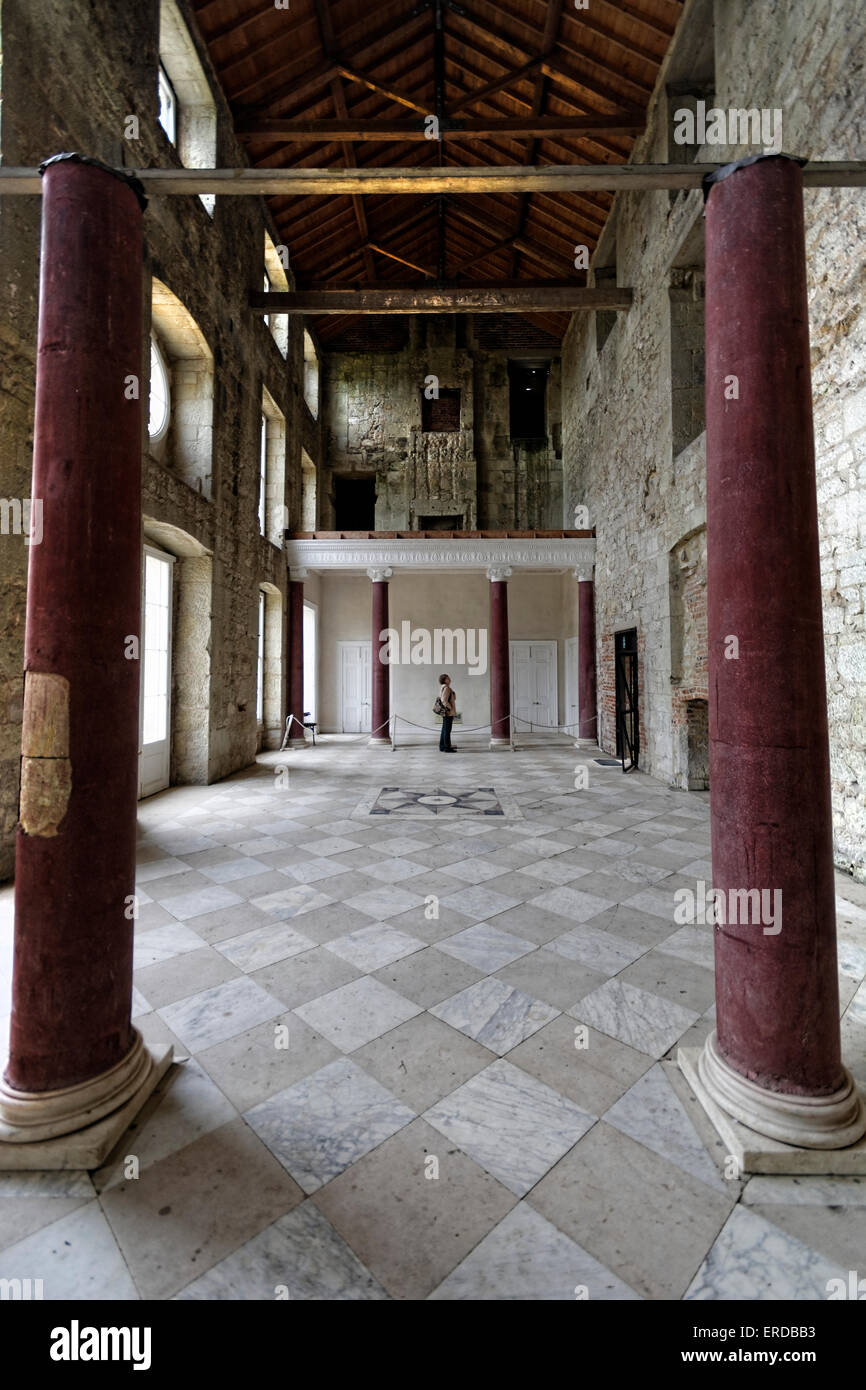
{"x":440,"y":523}
{"x":528,"y":400}
{"x":441,"y":413}
{"x":355,"y":504}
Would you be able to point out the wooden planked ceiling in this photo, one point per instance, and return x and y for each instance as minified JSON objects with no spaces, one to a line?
{"x":473,"y":60}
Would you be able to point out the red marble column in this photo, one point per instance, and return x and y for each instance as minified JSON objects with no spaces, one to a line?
{"x":296,"y":662}
{"x":75,"y":854}
{"x":500,"y":671}
{"x":380,"y":732}
{"x":775,"y":1062}
{"x":587,"y":729}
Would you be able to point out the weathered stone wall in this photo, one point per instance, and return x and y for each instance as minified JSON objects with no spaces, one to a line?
{"x":620,"y":445}
{"x":373,"y":419}
{"x":72,"y":72}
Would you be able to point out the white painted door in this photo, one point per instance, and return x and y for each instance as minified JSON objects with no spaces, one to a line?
{"x":355,"y":687}
{"x":533,"y":684}
{"x":572,"y":690}
{"x":155,"y":720}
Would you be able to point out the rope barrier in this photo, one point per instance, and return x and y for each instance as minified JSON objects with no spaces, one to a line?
{"x":392,"y":722}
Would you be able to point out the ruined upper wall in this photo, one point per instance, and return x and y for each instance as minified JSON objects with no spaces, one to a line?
{"x":806,"y":60}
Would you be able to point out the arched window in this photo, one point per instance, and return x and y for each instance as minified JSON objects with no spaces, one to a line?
{"x":160,"y":394}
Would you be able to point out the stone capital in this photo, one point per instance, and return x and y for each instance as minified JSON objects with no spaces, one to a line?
{"x":379,"y":573}
{"x":298,"y":574}
{"x":583,"y":574}
{"x":498,"y":573}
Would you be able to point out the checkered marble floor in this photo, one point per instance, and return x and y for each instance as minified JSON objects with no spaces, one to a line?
{"x":428,"y":1058}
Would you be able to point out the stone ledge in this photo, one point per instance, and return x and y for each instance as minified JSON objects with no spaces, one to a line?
{"x":87,"y":1148}
{"x":755,"y":1153}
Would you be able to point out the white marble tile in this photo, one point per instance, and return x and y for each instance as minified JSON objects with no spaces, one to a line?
{"x":635,"y":1016}
{"x":291,"y":902}
{"x":76,"y":1257}
{"x":393,"y":870}
{"x":495,"y":1014}
{"x":652,"y":1113}
{"x":659,"y":902}
{"x":266,"y":945}
{"x":384,"y":902}
{"x":202,"y":900}
{"x":265,"y":844}
{"x":357,"y":1013}
{"x":476,"y":869}
{"x":159,"y":868}
{"x":571,"y":903}
{"x":163,"y":942}
{"x":510,"y":1123}
{"x":220,"y":1013}
{"x":477,"y":902}
{"x":334,"y":844}
{"x":372,"y":947}
{"x":322,"y":1124}
{"x":485,"y":947}
{"x":302,"y":1254}
{"x":231,"y":869}
{"x":597,"y":950}
{"x":187,"y":1105}
{"x":555,"y":871}
{"x":756,"y":1261}
{"x":526,"y":1258}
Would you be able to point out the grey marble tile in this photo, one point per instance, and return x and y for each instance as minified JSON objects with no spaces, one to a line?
{"x":634,"y":1016}
{"x":526,"y":1258}
{"x":219,"y":1013}
{"x":476,"y":869}
{"x":692,"y":943}
{"x":384,"y":902}
{"x":485,"y":947}
{"x":356,"y":1013}
{"x":299,"y":1257}
{"x":805,"y":1192}
{"x":512,"y":1124}
{"x":162,"y":942}
{"x":754,"y":1260}
{"x":230,"y":870}
{"x":495,"y":1014}
{"x":319,"y":1126}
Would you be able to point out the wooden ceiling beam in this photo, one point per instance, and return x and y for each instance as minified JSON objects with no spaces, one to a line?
{"x":501,"y":178}
{"x":347,"y":129}
{"x":486,"y":299}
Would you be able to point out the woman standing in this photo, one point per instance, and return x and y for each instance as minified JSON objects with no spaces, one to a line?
{"x":448,"y":702}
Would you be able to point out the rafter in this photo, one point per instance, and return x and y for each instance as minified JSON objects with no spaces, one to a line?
{"x":486,"y":299}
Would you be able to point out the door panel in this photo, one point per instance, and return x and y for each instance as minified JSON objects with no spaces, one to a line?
{"x":355,"y":687}
{"x":155,"y":719}
{"x":533,"y":684}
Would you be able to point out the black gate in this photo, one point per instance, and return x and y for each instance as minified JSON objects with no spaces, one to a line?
{"x":627,"y":730}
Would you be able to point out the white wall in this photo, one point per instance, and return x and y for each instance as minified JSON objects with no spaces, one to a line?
{"x":540,"y":607}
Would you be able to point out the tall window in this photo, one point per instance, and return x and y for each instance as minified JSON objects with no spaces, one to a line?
{"x":275,"y":278}
{"x":528,"y":400}
{"x":263,"y":476}
{"x":260,"y":665}
{"x":311,"y":376}
{"x":167,"y":105}
{"x":187,"y":110}
{"x":160,"y":394}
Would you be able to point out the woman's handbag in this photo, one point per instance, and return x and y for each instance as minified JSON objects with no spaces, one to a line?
{"x":439,"y":708}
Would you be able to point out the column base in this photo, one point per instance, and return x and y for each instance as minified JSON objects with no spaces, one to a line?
{"x":297,"y":743}
{"x":758,"y":1152}
{"x":499,"y":744}
{"x":379,"y":742}
{"x":78,"y":1126}
{"x":585,"y":743}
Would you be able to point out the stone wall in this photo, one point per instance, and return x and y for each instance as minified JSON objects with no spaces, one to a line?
{"x":72,"y":73}
{"x":622,"y":454}
{"x":372,"y":407}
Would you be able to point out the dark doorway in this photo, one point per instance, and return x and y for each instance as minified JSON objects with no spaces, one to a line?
{"x":355,"y":504}
{"x":698,"y":732}
{"x":627,"y":723}
{"x":440,"y":523}
{"x":528,"y":400}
